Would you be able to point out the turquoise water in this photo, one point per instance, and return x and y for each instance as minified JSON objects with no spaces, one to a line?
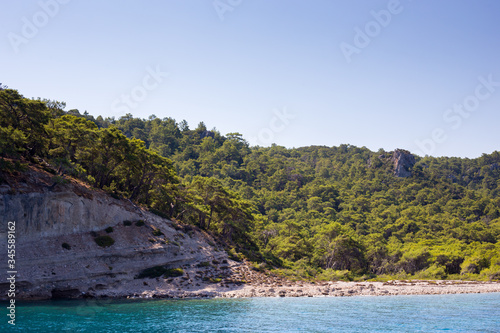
{"x":451,"y":313}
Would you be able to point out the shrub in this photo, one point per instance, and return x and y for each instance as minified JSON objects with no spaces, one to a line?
{"x":66,"y":246}
{"x":59,"y":180}
{"x":127,"y":223}
{"x":140,"y":223}
{"x":157,"y":271}
{"x":334,"y":275}
{"x":173,"y":272}
{"x":109,"y":230}
{"x":104,"y":241}
{"x":158,"y":213}
{"x":495,"y":276}
{"x":433,"y":272}
{"x":152,"y":272}
{"x":115,"y":196}
{"x":157,"y":232}
{"x":234,"y":255}
{"x":203,"y":264}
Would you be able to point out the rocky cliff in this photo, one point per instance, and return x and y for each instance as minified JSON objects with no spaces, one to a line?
{"x":403,"y":162}
{"x":73,"y":241}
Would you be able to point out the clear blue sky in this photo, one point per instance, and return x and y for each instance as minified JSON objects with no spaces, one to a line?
{"x":416,"y":79}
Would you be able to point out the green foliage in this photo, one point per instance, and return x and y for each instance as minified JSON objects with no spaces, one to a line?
{"x":139,"y":223}
{"x":335,"y":275}
{"x":109,"y":230}
{"x":311,"y":212}
{"x":203,"y":264}
{"x":157,"y":232}
{"x":66,"y":246}
{"x":104,"y":241}
{"x":22,"y":125}
{"x":173,"y":272}
{"x":127,"y":223}
{"x":157,"y":271}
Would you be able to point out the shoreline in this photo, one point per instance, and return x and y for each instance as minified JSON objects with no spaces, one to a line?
{"x":295,"y":289}
{"x":239,"y":280}
{"x":321,"y":289}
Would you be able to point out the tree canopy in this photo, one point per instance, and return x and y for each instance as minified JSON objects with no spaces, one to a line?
{"x":311,"y":212}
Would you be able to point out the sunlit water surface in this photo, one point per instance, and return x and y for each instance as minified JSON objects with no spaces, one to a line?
{"x":452,"y":313}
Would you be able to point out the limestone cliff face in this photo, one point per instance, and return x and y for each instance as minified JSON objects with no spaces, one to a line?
{"x":56,"y":249}
{"x":403,"y":161}
{"x":50,"y":214}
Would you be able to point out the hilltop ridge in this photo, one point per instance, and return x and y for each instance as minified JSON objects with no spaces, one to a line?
{"x":314,"y":213}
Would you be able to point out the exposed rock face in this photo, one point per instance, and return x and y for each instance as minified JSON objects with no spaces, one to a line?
{"x":53,"y":214}
{"x":403,"y":161}
{"x":47,"y":216}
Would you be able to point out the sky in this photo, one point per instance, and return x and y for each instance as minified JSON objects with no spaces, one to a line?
{"x":419,"y":75}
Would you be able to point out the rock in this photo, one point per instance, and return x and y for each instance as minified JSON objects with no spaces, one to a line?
{"x":403,"y":162}
{"x":66,"y":293}
{"x":46,"y":219}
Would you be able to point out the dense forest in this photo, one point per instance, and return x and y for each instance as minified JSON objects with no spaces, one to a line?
{"x":309,"y":213}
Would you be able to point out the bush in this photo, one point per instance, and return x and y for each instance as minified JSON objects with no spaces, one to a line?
{"x":66,"y":246}
{"x":433,"y":272}
{"x":109,"y":230}
{"x":173,"y":272}
{"x":127,"y":223}
{"x":104,"y":241}
{"x":140,"y":223}
{"x":152,"y":272}
{"x":115,"y":196}
{"x":234,"y":255}
{"x":494,"y":276}
{"x":58,"y":179}
{"x":158,"y":213}
{"x":157,"y":271}
{"x":335,"y":275}
{"x":157,"y":232}
{"x":203,"y":264}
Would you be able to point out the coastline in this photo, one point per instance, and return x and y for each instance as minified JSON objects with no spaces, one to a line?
{"x":240,"y":280}
{"x":244,"y":282}
{"x":325,"y":289}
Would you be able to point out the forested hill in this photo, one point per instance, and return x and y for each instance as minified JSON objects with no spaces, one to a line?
{"x":313,"y":212}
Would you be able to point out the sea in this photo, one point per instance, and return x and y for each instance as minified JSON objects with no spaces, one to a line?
{"x":432,"y":313}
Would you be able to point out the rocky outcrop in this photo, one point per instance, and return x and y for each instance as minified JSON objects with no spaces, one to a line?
{"x":403,"y":161}
{"x":52,"y":214}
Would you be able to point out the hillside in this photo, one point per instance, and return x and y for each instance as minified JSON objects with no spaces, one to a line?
{"x":315,"y":212}
{"x":73,"y":241}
